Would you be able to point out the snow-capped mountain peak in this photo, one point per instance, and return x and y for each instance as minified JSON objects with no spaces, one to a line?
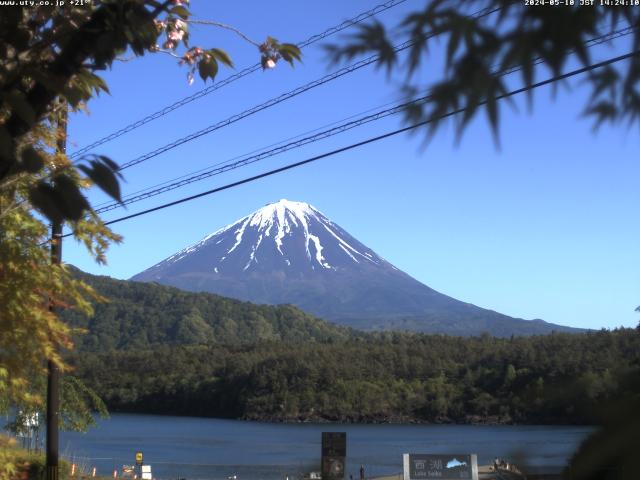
{"x":281,"y":235}
{"x":279,"y":219}
{"x":289,"y":252}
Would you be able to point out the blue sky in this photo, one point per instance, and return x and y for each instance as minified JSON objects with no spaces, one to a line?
{"x":543,"y":227}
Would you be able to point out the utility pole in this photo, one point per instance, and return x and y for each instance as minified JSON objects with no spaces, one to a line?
{"x":53,"y":378}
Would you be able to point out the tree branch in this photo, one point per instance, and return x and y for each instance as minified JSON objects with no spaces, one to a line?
{"x":80,"y":47}
{"x":168,"y":52}
{"x":225,"y":26}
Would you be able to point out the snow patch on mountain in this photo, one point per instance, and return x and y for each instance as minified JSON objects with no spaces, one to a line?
{"x":344,"y":244}
{"x":319,"y":258}
{"x":252,"y":256}
{"x":239,"y":234}
{"x":289,"y":225}
{"x":277,"y":221}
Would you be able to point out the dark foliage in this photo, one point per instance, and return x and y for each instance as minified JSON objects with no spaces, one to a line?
{"x":142,"y":315}
{"x":611,"y":452}
{"x":484,"y":39}
{"x":139,"y":314}
{"x":48,"y":60}
{"x":559,"y":378}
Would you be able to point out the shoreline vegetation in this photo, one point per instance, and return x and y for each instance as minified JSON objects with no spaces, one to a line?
{"x":156,"y":349}
{"x":376,"y":378}
{"x":19,"y":463}
{"x":372,"y":421}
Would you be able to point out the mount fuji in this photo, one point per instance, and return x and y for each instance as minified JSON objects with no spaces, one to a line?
{"x":289,"y":252}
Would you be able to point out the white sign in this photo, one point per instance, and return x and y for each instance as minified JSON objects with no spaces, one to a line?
{"x":146,"y":468}
{"x":442,"y":466}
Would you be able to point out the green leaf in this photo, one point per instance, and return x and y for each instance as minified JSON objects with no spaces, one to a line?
{"x":452,"y":47}
{"x":59,"y":200}
{"x":31,"y":160}
{"x":52,"y":82}
{"x":603,"y":111}
{"x":208,"y":68}
{"x":222,"y":56}
{"x":94,"y":81}
{"x":19,"y":104}
{"x":291,"y":49}
{"x":492,"y":112}
{"x":289,"y":52}
{"x":6,"y":146}
{"x":71,"y":202}
{"x":109,"y":163}
{"x":180,"y":11}
{"x":74,"y":95}
{"x":288,"y":58}
{"x":604,"y":80}
{"x":104,"y":173}
{"x":43,"y":199}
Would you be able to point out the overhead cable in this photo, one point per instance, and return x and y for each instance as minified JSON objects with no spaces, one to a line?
{"x":242,"y":73}
{"x":377,"y":138}
{"x":279,"y":99}
{"x":319,"y":135}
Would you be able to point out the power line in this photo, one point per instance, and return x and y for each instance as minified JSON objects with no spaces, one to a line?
{"x":320,"y":135}
{"x":263,"y":106}
{"x":478,"y":14}
{"x":130,"y":195}
{"x":242,"y":73}
{"x":279,"y":99}
{"x":248,"y":159}
{"x":376,"y":138}
{"x":262,"y":155}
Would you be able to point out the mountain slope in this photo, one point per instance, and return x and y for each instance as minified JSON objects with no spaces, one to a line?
{"x":143,"y":315}
{"x":289,"y":252}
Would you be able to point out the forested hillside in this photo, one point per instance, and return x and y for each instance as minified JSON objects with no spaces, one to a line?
{"x":559,"y":378}
{"x":156,"y":349}
{"x":144,"y":315}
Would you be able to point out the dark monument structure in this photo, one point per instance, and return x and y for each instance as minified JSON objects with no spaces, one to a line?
{"x":334,"y":453}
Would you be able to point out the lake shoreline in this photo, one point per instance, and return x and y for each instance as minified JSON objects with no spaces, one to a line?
{"x":205,"y":448}
{"x":470,"y":420}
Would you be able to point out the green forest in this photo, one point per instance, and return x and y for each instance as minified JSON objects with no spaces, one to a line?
{"x":157,"y":349}
{"x":385,"y":377}
{"x":138,"y":316}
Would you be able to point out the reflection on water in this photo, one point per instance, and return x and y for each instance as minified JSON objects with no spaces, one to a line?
{"x":199,"y":448}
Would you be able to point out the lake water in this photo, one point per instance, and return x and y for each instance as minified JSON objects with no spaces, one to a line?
{"x":203,"y":448}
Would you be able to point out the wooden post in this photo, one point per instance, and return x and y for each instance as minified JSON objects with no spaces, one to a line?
{"x":53,"y":377}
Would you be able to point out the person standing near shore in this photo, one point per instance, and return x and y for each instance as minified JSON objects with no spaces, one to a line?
{"x":361,"y":472}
